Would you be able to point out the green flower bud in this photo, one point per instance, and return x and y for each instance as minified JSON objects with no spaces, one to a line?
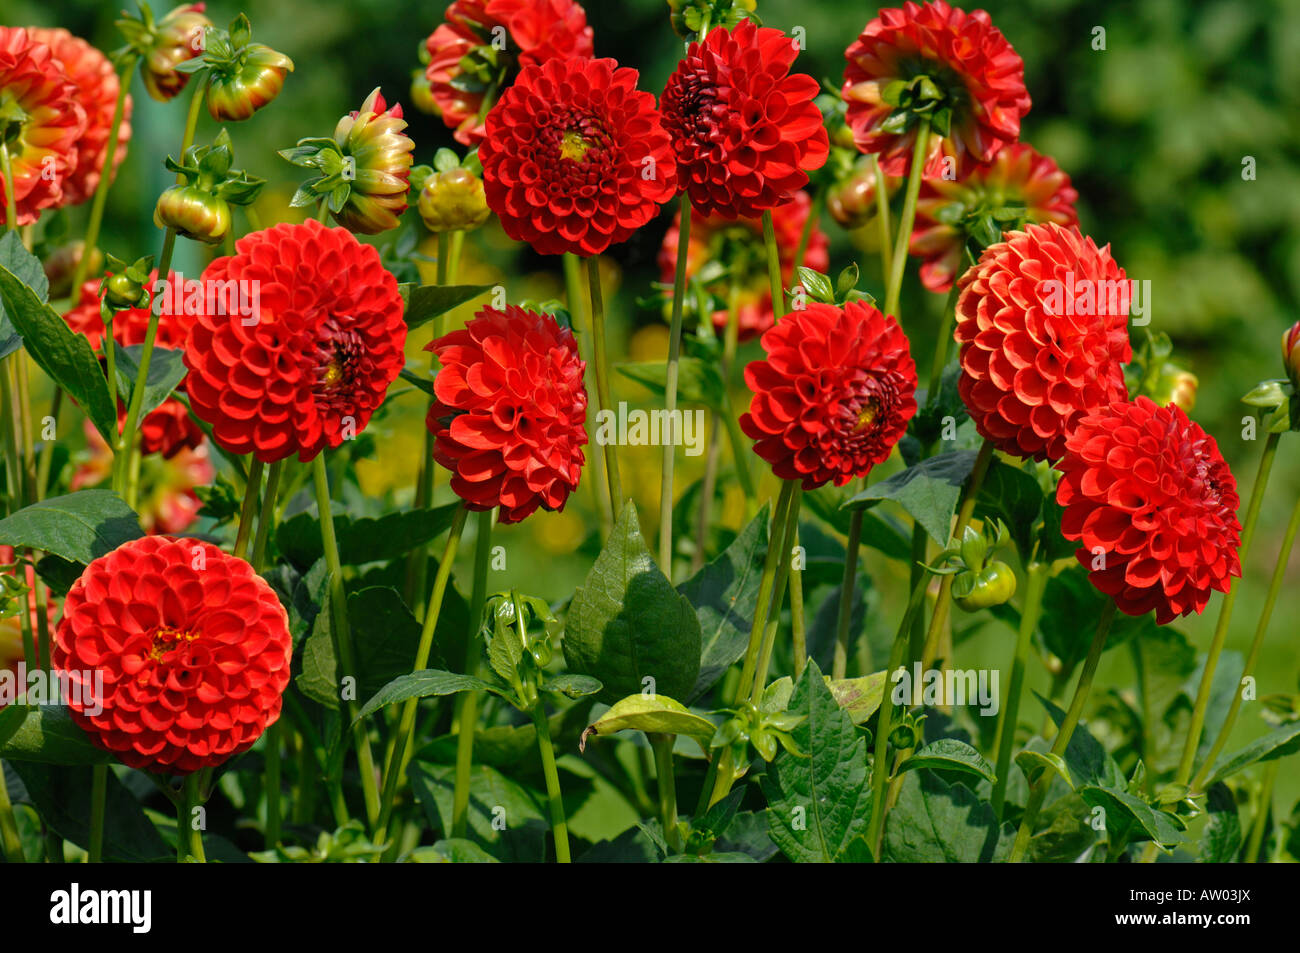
{"x":453,"y":200}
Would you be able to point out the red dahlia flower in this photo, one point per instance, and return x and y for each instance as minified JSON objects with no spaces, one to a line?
{"x":193,"y":647}
{"x":510,"y":411}
{"x":1148,"y":495}
{"x":948,"y":211}
{"x":576,"y":157}
{"x":746,"y":131}
{"x":740,"y":244}
{"x":97,"y":88}
{"x":477,"y":52}
{"x":169,"y":428}
{"x":833,"y":396}
{"x":1291,"y":352}
{"x":312,"y":363}
{"x":940,"y":62}
{"x":1042,"y":323}
{"x":41,"y":121}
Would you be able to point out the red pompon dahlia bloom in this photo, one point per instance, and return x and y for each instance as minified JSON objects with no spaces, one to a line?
{"x":576,"y":157}
{"x":745,"y":129}
{"x":975,"y":92}
{"x":168,"y":429}
{"x":42,"y":122}
{"x":1153,"y":504}
{"x":740,"y":244}
{"x":468,"y":63}
{"x":1042,"y":320}
{"x":833,"y":396}
{"x":97,"y":89}
{"x":193,"y":647}
{"x":510,"y":410}
{"x":314,"y":360}
{"x":948,"y":211}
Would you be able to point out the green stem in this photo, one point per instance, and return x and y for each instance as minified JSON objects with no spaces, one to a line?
{"x":839,"y":667}
{"x":814,"y":214}
{"x":273,"y":752}
{"x":98,"y":799}
{"x":885,"y":719}
{"x":941,"y":343}
{"x":10,"y":839}
{"x":189,"y":839}
{"x":898,"y":262}
{"x":467,"y":709}
{"x":1009,"y":714}
{"x":343,"y":637}
{"x":596,"y":480}
{"x":665,"y":780}
{"x":1260,"y":822}
{"x":410,"y":707}
{"x":1038,"y":793}
{"x":882,"y":219}
{"x":940,"y":616}
{"x":252,"y":489}
{"x":11,"y":201}
{"x":47,"y":446}
{"x":773,"y":267}
{"x":603,"y":401}
{"x":9,"y":436}
{"x":1256,"y":645}
{"x":778,"y":594}
{"x":1225,"y":615}
{"x":106,"y":178}
{"x":740,"y":449}
{"x":798,"y":625}
{"x":670,"y":394}
{"x":559,"y":829}
{"x":266,"y":517}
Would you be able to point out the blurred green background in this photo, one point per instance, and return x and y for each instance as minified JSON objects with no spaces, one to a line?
{"x":1153,"y":129}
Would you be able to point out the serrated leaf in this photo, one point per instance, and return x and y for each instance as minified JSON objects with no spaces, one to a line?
{"x":820,"y":803}
{"x":934,"y":822}
{"x":627,"y":623}
{"x":928,"y":491}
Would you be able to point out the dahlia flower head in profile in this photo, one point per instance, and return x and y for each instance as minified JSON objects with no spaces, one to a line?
{"x":46,"y":122}
{"x":373,"y":137}
{"x":168,"y":429}
{"x":939,"y":63}
{"x":313,"y":361}
{"x":509,"y":412}
{"x":834,"y":394}
{"x":746,"y":131}
{"x":483,"y":44}
{"x":1042,"y":324}
{"x":97,"y":89}
{"x":986,"y":196}
{"x":1153,"y":505}
{"x":194,"y":650}
{"x":576,"y":158}
{"x":740,"y":243}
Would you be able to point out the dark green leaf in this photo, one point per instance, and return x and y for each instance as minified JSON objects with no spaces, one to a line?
{"x":426,"y":302}
{"x":1278,"y":743}
{"x":46,"y":733}
{"x":934,"y":822}
{"x":80,"y":527}
{"x":928,"y":491}
{"x":950,"y":755}
{"x":166,"y":370}
{"x":1221,"y":838}
{"x":423,"y":684}
{"x":698,"y":382}
{"x":366,"y":539}
{"x":494,"y":801}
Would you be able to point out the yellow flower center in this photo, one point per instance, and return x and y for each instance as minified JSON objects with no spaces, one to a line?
{"x":573,"y":147}
{"x":867,"y":416}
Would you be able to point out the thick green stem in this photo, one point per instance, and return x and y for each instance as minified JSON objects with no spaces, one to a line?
{"x":940,"y":616}
{"x":596,"y":479}
{"x":189,"y":836}
{"x":266,"y":517}
{"x":1009,"y":713}
{"x":667,"y":784}
{"x":603,"y":400}
{"x":783,"y":574}
{"x":467,"y":713}
{"x":670,"y":394}
{"x":886,"y":237}
{"x":941,"y":343}
{"x":47,"y":446}
{"x":1199,"y":710}
{"x":839,"y":667}
{"x":1256,"y":645}
{"x":805,"y":236}
{"x":1260,"y":823}
{"x":885,"y":719}
{"x":773,"y":267}
{"x":11,"y":201}
{"x":559,"y":829}
{"x":9,"y":436}
{"x":343,"y":638}
{"x":252,"y":490}
{"x":10,"y":839}
{"x":410,"y":707}
{"x":1064,"y":733}
{"x":798,"y":625}
{"x":899,"y":261}
{"x":98,"y":798}
{"x":106,"y":178}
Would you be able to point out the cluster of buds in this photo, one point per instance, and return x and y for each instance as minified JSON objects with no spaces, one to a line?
{"x":692,"y":18}
{"x":364,"y":171}
{"x":199,"y":206}
{"x":163,"y":45}
{"x":979,"y":582}
{"x":125,"y":287}
{"x":452,"y":197}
